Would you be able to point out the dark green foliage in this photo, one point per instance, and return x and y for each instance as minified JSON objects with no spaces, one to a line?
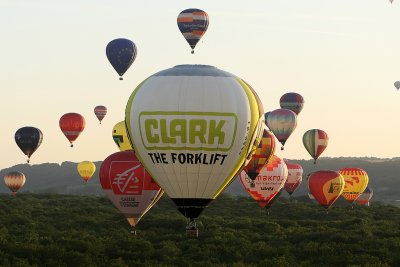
{"x":57,"y":230}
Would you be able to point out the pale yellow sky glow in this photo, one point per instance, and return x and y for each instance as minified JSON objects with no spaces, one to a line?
{"x":342,"y":56}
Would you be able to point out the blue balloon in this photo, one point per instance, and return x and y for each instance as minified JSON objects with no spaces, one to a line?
{"x":121,"y":53}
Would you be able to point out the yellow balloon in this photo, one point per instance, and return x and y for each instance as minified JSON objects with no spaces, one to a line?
{"x":86,"y":170}
{"x":356,"y":180}
{"x":120,"y":137}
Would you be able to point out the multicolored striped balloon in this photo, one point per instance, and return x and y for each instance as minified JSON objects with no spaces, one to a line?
{"x":14,"y":181}
{"x":365,"y":197}
{"x":315,"y":141}
{"x":356,"y":180}
{"x":326,"y":186}
{"x":263,"y":153}
{"x":100,"y":112}
{"x":292,"y":101}
{"x":193,"y":24}
{"x":282,"y":123}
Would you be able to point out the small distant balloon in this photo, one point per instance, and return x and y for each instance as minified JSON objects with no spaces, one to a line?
{"x":365,"y":197}
{"x":315,"y":141}
{"x":100,"y":112}
{"x":14,"y":181}
{"x":397,"y":85}
{"x":121,"y":53}
{"x":282,"y":123}
{"x":86,"y":169}
{"x":28,"y":140}
{"x":292,"y":101}
{"x":295,"y":176}
{"x":391,"y":1}
{"x":72,"y":125}
{"x":193,"y":24}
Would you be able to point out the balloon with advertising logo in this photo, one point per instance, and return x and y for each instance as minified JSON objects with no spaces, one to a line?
{"x":365,"y":197}
{"x":28,"y":140}
{"x":268,"y":183}
{"x":356,"y":180}
{"x":120,"y":137}
{"x":193,"y":24}
{"x":86,"y":169}
{"x":128,"y":185}
{"x":14,"y":181}
{"x":326,"y":186}
{"x":263,"y":153}
{"x":193,"y":128}
{"x":282,"y":123}
{"x":315,"y":141}
{"x":100,"y":112}
{"x":72,"y":125}
{"x":292,"y":101}
{"x":295,"y":176}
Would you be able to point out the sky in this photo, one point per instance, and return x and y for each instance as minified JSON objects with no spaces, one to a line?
{"x":342,"y":56}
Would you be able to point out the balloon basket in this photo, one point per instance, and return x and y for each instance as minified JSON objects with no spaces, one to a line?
{"x":191,"y":230}
{"x":120,"y":78}
{"x":252,"y":185}
{"x":133,"y":230}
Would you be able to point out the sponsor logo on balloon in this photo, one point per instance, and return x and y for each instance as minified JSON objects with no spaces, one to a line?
{"x":127,"y":182}
{"x":210,"y":131}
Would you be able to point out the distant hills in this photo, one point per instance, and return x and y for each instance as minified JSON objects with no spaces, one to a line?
{"x":384,"y":177}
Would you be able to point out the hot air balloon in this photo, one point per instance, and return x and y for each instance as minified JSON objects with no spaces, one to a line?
{"x":356,"y":180}
{"x":193,"y":128}
{"x":282,"y":123}
{"x":391,"y":1}
{"x":28,"y":140}
{"x":86,"y":169}
{"x":193,"y":24}
{"x":263,"y":153}
{"x":15,"y":181}
{"x":295,"y":176}
{"x":397,"y":85}
{"x":120,"y":137}
{"x":121,"y":53}
{"x":292,"y":101}
{"x":268,"y":183}
{"x":72,"y":124}
{"x":365,"y":197}
{"x":128,"y":185}
{"x":315,"y":141}
{"x":326,"y":186}
{"x":100,"y":112}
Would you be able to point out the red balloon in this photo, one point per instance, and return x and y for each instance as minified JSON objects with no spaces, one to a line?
{"x":100,"y":112}
{"x":128,"y":185}
{"x":326,"y":186}
{"x":72,"y":124}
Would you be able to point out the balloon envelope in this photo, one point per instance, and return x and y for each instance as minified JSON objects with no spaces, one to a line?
{"x":356,"y":180}
{"x":72,"y":125}
{"x":263,"y":153}
{"x":100,"y":112}
{"x":128,"y":185}
{"x":193,"y":24}
{"x":292,"y":101}
{"x":28,"y":139}
{"x":365,"y":197}
{"x":326,"y":186}
{"x":86,"y":169}
{"x":121,"y":53}
{"x":120,"y":137}
{"x":315,"y":141}
{"x":193,"y":127}
{"x":282,"y":123}
{"x":14,"y":181}
{"x":268,"y":183}
{"x":295,"y":176}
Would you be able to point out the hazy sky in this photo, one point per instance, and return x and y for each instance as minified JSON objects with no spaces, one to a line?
{"x":343,"y":56}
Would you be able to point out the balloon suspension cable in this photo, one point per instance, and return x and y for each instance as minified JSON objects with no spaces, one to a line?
{"x":120,"y":78}
{"x":133,"y":230}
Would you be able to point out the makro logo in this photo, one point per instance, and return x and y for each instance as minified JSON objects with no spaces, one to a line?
{"x":211,"y":131}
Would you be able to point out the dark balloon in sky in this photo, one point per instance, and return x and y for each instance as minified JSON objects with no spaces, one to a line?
{"x":121,"y":53}
{"x":28,"y":140}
